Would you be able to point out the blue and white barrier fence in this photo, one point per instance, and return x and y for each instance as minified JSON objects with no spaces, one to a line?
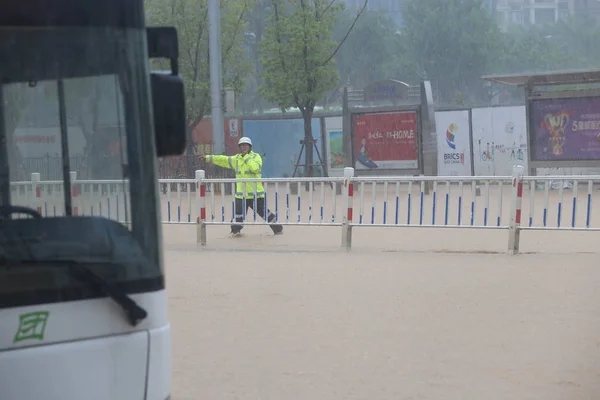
{"x":512,"y":203}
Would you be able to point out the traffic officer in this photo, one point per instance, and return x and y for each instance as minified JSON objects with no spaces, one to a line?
{"x":247,"y":165}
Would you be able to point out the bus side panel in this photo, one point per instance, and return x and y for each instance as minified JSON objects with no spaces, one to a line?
{"x":159,"y":368}
{"x":112,"y":367}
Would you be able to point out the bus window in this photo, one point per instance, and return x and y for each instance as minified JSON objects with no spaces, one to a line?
{"x":95,"y":142}
{"x":80,"y":162}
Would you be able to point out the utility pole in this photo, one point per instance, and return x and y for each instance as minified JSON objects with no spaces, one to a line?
{"x":216,"y":79}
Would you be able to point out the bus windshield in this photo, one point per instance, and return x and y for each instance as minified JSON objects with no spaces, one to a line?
{"x":77,"y":164}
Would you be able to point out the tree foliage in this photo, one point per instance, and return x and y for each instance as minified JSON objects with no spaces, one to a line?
{"x":250,"y":99}
{"x":452,"y":41}
{"x":455,"y":42}
{"x":190,"y":18}
{"x":297,"y":57}
{"x":373,"y":51}
{"x":569,"y":44}
{"x":296,"y":53}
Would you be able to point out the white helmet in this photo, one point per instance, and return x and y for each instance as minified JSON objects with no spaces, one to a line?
{"x":245,"y":140}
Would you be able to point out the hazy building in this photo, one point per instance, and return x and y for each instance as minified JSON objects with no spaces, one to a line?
{"x":532,"y":12}
{"x":590,"y":8}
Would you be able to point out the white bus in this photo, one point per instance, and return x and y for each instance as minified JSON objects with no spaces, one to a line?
{"x":82,"y":298}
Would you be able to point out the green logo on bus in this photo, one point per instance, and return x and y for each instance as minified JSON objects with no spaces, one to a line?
{"x":32,"y":326}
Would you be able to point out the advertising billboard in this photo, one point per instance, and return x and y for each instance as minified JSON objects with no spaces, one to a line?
{"x":335,"y":146}
{"x":565,"y":129}
{"x":386,"y":140}
{"x":499,"y":140}
{"x":454,"y":143}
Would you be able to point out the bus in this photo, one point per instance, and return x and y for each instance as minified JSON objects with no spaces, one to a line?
{"x":83,"y":307}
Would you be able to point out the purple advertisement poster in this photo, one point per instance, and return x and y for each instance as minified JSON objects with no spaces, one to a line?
{"x":566,"y":129}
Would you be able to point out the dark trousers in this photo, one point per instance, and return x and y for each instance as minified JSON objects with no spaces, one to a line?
{"x":267,"y":215}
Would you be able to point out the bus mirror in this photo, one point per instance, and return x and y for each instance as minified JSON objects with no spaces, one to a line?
{"x":168,"y":103}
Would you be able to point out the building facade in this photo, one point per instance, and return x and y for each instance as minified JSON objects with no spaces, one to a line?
{"x":589,"y":8}
{"x":531,"y":12}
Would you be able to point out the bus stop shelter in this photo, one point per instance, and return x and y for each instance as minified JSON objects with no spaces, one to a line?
{"x":562,"y":117}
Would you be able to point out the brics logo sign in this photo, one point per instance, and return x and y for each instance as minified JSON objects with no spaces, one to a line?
{"x":453,"y":157}
{"x":451,"y":136}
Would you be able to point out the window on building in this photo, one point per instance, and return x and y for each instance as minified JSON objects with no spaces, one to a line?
{"x":545,"y":16}
{"x":563,"y":10}
{"x":563,"y":15}
{"x":516,"y":17}
{"x":500,"y":18}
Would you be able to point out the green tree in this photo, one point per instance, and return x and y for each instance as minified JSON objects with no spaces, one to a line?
{"x":297,"y":58}
{"x":250,"y":99}
{"x":454,"y":42}
{"x":570,"y":44}
{"x":529,"y":50}
{"x":576,"y":41}
{"x":373,"y":51}
{"x":190,"y":18}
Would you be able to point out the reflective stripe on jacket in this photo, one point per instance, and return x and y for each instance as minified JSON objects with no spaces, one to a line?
{"x":245,"y":167}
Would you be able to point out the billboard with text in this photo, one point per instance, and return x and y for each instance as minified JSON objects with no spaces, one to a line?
{"x":454,"y":143}
{"x":386,"y":140}
{"x":565,"y":129}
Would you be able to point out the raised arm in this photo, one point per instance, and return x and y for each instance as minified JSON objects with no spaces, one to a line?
{"x":220,"y":161}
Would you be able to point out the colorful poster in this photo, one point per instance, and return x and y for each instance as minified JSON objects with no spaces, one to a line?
{"x":454,"y":143}
{"x":386,"y":140}
{"x":499,"y":140}
{"x":566,"y":129}
{"x":334,"y":145}
{"x":336,"y":149}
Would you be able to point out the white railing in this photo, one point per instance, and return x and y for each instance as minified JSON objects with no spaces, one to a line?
{"x":566,"y":202}
{"x":107,"y":198}
{"x":512,"y":203}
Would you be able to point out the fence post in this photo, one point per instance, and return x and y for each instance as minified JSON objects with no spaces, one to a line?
{"x":37,"y":190}
{"x":514,"y":231}
{"x":74,"y":193}
{"x":348,"y":208}
{"x":201,"y":207}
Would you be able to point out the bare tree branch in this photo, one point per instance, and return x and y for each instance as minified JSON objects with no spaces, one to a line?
{"x":238,"y":28}
{"x":309,"y":85}
{"x":331,"y":3}
{"x":203,"y":23}
{"x":278,"y":34}
{"x":363,"y":8}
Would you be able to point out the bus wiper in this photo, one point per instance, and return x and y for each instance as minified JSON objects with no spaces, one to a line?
{"x":80,"y":271}
{"x":135,"y":313}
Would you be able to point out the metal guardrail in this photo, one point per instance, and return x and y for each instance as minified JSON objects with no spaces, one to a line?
{"x":512,"y":203}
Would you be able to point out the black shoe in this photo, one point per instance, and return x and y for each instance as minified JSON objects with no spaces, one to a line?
{"x":278,"y":230}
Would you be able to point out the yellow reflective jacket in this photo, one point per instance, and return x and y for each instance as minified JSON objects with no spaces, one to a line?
{"x":245,"y":167}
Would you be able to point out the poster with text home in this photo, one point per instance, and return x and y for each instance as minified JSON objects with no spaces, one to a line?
{"x":454,"y":143}
{"x":386,"y":140}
